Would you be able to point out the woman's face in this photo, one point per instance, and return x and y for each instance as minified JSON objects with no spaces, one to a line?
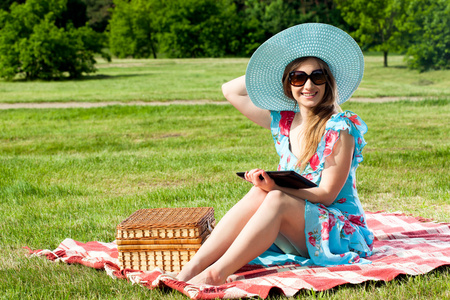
{"x":309,"y":94}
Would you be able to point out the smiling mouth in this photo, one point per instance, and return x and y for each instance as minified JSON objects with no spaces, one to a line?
{"x":309,"y":94}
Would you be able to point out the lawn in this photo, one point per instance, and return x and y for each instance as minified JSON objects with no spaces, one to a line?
{"x":125,"y":80}
{"x":79,"y":172}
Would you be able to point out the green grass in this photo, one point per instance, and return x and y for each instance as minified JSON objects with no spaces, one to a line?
{"x":398,"y":81}
{"x":125,"y":80}
{"x":79,"y":172}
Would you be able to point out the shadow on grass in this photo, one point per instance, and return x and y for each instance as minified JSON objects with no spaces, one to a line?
{"x":101,"y":77}
{"x":83,"y":78}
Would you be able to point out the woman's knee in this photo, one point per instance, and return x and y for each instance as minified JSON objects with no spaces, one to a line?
{"x":254,"y":197}
{"x":280,"y":200}
{"x":257,"y":191}
{"x":276,"y":199}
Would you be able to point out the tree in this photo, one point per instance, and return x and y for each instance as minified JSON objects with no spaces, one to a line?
{"x":265,"y":18}
{"x":38,"y":41}
{"x":133,"y":28}
{"x":427,"y":30}
{"x":5,"y":4}
{"x":178,"y":28}
{"x":199,"y":28}
{"x":99,"y":13}
{"x":74,"y":12}
{"x":376,"y":23}
{"x":207,"y":28}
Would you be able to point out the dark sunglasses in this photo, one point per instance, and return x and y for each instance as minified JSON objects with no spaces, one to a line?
{"x":299,"y":78}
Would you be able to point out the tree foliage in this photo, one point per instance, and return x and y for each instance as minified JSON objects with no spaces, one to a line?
{"x":418,"y":28}
{"x":38,"y":40}
{"x":179,"y":28}
{"x":376,"y":23}
{"x":207,"y":28}
{"x":199,"y":28}
{"x":6,"y":4}
{"x":98,"y":13}
{"x":134,"y":26}
{"x":38,"y":37}
{"x":427,"y":31}
{"x":266,"y":18}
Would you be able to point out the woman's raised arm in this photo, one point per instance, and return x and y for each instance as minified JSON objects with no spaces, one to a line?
{"x":236,"y":93}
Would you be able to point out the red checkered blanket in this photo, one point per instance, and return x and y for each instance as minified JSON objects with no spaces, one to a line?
{"x":403,"y":245}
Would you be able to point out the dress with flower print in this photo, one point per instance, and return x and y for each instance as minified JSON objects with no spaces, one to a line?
{"x":336,"y":234}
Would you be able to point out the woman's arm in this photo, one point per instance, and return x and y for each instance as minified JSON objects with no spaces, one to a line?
{"x":236,"y":93}
{"x":335,"y":173}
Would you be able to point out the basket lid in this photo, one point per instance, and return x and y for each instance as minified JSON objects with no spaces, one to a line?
{"x":168,"y":217}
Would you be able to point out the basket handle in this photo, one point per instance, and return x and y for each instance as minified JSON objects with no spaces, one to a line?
{"x":210,"y":226}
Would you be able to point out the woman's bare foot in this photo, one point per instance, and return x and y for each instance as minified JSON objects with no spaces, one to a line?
{"x":189,"y":271}
{"x":172,"y":274}
{"x":208,"y":276}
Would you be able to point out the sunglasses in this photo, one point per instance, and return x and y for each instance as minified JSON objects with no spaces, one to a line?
{"x":299,"y":78}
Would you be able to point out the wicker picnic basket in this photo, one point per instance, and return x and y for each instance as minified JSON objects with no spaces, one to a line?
{"x":166,"y":238}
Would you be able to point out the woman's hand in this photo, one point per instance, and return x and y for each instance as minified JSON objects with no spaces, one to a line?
{"x":334,"y":175}
{"x":261,"y":179}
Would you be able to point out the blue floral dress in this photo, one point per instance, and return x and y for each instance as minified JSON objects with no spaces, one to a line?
{"x":337,"y":234}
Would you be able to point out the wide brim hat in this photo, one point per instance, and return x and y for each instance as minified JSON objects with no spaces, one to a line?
{"x":334,"y":46}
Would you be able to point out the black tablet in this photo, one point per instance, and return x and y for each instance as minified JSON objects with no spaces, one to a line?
{"x":289,"y":179}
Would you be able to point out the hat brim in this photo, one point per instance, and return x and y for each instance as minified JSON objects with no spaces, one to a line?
{"x":331,"y":44}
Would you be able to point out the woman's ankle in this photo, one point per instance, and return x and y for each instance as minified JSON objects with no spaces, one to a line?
{"x":189,"y":271}
{"x":209,"y":276}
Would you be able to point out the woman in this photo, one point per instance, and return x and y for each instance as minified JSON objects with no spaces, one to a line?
{"x":293,"y":86}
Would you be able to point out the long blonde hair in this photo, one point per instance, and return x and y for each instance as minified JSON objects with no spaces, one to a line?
{"x":319,"y":115}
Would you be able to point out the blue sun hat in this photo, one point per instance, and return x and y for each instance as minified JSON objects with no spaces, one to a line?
{"x":334,"y":46}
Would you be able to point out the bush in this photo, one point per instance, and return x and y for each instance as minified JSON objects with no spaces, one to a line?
{"x":179,"y":28}
{"x":32,"y":45}
{"x":428,"y":25}
{"x":206,"y":28}
{"x":133,"y":28}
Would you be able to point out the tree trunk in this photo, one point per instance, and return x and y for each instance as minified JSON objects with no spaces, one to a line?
{"x":385,"y":53}
{"x":152,"y":44}
{"x":153,"y":50}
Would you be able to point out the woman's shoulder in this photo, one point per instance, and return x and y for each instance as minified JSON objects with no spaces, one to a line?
{"x":351,"y":122}
{"x":347,"y":120}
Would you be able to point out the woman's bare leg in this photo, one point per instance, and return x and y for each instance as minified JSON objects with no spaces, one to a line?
{"x":224,"y":234}
{"x":279,"y":213}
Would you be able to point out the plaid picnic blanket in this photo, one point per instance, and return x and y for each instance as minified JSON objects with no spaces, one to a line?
{"x":403,"y":245}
